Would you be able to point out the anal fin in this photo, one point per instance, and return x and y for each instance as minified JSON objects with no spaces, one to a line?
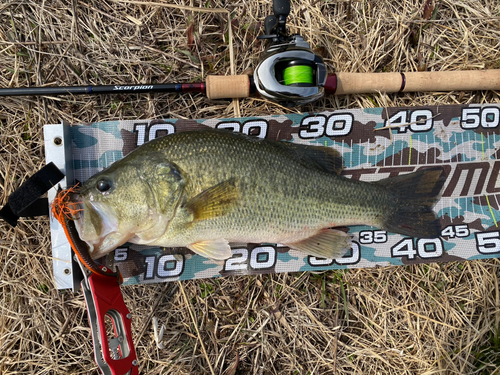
{"x":329,"y":243}
{"x":218,"y":249}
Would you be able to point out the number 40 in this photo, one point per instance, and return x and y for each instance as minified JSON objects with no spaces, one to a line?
{"x":426,"y":248}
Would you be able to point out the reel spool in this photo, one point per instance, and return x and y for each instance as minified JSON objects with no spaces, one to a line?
{"x":298,"y":73}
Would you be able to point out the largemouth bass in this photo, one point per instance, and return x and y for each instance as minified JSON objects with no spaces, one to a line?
{"x":206,"y":189}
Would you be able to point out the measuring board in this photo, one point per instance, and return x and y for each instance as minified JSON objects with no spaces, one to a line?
{"x":376,"y":143}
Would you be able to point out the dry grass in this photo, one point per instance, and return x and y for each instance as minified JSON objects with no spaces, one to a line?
{"x":437,"y":319}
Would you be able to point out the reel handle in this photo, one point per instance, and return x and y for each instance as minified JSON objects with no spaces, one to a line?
{"x":281,"y":8}
{"x":275,"y":24}
{"x":270,"y":23}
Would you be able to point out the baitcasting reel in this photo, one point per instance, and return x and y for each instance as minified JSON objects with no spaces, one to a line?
{"x":289,"y":73}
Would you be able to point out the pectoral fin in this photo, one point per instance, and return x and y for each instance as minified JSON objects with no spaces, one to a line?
{"x":215,"y":201}
{"x":329,"y":243}
{"x":214,"y":249}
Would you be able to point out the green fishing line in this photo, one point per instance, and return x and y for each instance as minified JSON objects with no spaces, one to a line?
{"x":298,"y":74}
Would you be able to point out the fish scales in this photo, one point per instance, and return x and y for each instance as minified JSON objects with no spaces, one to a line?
{"x":278,"y":195}
{"x":205,"y":189}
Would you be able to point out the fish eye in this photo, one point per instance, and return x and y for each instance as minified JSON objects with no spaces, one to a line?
{"x":103,"y":185}
{"x":176,"y":174}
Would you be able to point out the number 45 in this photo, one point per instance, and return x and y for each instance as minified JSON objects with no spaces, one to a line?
{"x":453,"y":231}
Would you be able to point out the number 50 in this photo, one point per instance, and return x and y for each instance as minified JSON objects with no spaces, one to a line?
{"x":488,"y":242}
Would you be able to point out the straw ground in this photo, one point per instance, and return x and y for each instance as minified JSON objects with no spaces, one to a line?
{"x":426,"y":319}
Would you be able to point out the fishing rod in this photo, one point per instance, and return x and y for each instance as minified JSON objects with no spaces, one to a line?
{"x":291,"y":74}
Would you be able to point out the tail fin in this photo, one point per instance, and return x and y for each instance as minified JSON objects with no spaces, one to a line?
{"x":415,"y":194}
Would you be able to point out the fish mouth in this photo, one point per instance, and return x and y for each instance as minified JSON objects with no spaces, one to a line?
{"x":97,"y":225}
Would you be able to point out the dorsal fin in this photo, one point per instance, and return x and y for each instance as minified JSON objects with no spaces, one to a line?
{"x":325,"y":159}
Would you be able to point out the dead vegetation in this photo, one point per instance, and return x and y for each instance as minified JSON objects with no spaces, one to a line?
{"x":426,"y":319}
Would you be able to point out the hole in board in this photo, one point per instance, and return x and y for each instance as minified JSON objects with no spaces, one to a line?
{"x":57,"y":141}
{"x":67,"y":271}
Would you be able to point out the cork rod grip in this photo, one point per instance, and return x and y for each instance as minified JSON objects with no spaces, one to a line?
{"x":362,"y":83}
{"x":224,"y":87}
{"x":467,"y":80}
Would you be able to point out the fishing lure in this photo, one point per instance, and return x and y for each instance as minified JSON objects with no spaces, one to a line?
{"x":64,"y":210}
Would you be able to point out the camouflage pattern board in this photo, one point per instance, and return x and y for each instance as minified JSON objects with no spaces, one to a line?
{"x":375,"y":143}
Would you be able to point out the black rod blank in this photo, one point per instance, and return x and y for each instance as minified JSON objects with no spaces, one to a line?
{"x":107,"y":89}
